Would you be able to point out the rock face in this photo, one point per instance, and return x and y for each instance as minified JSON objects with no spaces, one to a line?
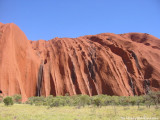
{"x":113,"y":64}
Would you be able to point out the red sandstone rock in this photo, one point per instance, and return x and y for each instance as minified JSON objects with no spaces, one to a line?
{"x":113,"y":64}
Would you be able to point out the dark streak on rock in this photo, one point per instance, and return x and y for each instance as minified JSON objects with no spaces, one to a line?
{"x":39,"y":84}
{"x":147,"y":85}
{"x":136,"y":59}
{"x":52,"y":85}
{"x":73,"y":75}
{"x":131,"y":84}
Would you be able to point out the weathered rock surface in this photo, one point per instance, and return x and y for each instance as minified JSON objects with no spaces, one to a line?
{"x":113,"y":64}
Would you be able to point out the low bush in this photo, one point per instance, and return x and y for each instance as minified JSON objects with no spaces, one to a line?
{"x":17,"y":98}
{"x":152,"y":98}
{"x":98,"y":100}
{"x":1,"y":99}
{"x":8,"y":101}
{"x":36,"y":101}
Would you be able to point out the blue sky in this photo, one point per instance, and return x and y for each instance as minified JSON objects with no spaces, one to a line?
{"x":46,"y":19}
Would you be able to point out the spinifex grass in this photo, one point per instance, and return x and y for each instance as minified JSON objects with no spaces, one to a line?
{"x":31,"y":112}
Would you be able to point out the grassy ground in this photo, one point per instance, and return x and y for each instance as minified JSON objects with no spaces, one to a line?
{"x":29,"y":112}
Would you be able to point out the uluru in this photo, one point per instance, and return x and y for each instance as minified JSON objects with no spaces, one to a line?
{"x":107,"y":63}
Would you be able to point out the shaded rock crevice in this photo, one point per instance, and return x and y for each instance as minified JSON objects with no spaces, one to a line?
{"x":131,"y":83}
{"x":91,"y":70}
{"x":146,"y":85}
{"x":52,"y":86}
{"x":39,"y":82}
{"x":148,"y":69}
{"x":125,"y":57}
{"x":73,"y":76}
{"x":136,"y":59}
{"x":90,"y":80}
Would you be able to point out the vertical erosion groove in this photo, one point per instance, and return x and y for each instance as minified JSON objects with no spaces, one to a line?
{"x":131,"y":83}
{"x":106,"y":87}
{"x":91,"y":82}
{"x":91,"y":71}
{"x":125,"y":57}
{"x":147,"y":86}
{"x":52,"y":86}
{"x":148,"y":72}
{"x":136,"y":59}
{"x":148,"y":69}
{"x":73,"y":76}
{"x":39,"y":83}
{"x":61,"y":68}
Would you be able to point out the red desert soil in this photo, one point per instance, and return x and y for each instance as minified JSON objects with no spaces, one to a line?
{"x":114,"y":64}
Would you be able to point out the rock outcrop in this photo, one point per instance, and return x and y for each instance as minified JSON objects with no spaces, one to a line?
{"x":114,"y":64}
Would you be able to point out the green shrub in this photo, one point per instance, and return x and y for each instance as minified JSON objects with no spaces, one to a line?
{"x":152,"y":98}
{"x":85,"y":100}
{"x":1,"y":99}
{"x":36,"y":100}
{"x":68,"y":100}
{"x":38,"y":103}
{"x":82,"y":100}
{"x":123,"y":101}
{"x":55,"y":102}
{"x":132,"y":100}
{"x":8,"y":101}
{"x":108,"y":100}
{"x":17,"y":98}
{"x":97,"y":101}
{"x":49,"y":100}
{"x":115,"y":100}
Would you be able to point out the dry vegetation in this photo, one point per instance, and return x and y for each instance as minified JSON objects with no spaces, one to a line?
{"x":32,"y":112}
{"x":82,"y":107}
